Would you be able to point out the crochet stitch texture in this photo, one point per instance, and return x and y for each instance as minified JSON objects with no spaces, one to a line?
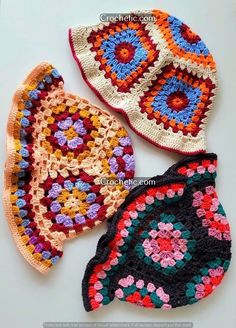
{"x":58,"y":147}
{"x":167,"y":246}
{"x":159,"y":75}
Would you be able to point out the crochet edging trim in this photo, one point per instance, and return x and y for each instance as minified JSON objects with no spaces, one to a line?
{"x":10,"y":161}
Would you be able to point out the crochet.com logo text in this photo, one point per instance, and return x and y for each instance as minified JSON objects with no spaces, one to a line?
{"x":122,"y":17}
{"x":127,"y":183}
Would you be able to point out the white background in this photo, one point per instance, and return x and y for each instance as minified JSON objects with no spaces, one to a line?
{"x":33,"y":31}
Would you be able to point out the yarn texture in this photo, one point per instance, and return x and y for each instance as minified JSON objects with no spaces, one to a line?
{"x":59,"y":146}
{"x":168,"y":245}
{"x":160,"y":75}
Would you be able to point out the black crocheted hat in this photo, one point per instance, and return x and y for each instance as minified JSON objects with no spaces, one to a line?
{"x":167,"y":246}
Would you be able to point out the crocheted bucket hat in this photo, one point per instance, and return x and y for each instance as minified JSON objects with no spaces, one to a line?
{"x":167,"y":246}
{"x":159,"y":74}
{"x":59,"y":146}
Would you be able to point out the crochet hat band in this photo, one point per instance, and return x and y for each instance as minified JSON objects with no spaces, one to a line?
{"x":159,"y":75}
{"x":59,"y":146}
{"x":168,"y":245}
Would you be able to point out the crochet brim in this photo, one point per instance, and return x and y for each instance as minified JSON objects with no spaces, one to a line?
{"x":11,"y":162}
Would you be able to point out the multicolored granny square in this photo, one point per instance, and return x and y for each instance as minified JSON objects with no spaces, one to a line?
{"x":168,"y":245}
{"x":125,"y":52}
{"x":158,"y":73}
{"x":59,"y":148}
{"x":177,"y":100}
{"x":167,"y":237}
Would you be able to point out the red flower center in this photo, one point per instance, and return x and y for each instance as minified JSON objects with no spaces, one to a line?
{"x":177,"y":101}
{"x":124,"y":52}
{"x":165,"y":244}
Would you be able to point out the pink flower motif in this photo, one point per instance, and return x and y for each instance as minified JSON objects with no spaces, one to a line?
{"x":167,"y":262}
{"x":170,"y":193}
{"x":205,"y":223}
{"x":165,"y":226}
{"x":165,"y":298}
{"x":216,"y":272}
{"x":199,"y":295}
{"x":140,"y":284}
{"x":161,"y":225}
{"x":212,"y":272}
{"x":150,"y":287}
{"x":227,"y":236}
{"x":169,"y":226}
{"x":148,"y":251}
{"x":176,"y":234}
{"x":223,"y":220}
{"x":219,"y":271}
{"x":127,"y":223}
{"x":210,"y":190}
{"x":190,"y":173}
{"x":200,"y":287}
{"x":216,"y":201}
{"x":218,"y":235}
{"x":154,"y":245}
{"x":198,"y":195}
{"x":101,"y":274}
{"x":206,"y":280}
{"x":167,"y":255}
{"x":201,"y":169}
{"x":123,"y":282}
{"x":124,"y":233}
{"x":211,"y":168}
{"x":149,"y":200}
{"x":197,"y":203}
{"x":160,"y":196}
{"x":166,"y":307}
{"x":163,"y":234}
{"x":153,"y":233}
{"x":141,"y":207}
{"x":215,"y":233}
{"x":200,"y":212}
{"x":114,"y":261}
{"x":119,"y":293}
{"x":213,"y":208}
{"x":218,"y":217}
{"x":156,"y":257}
{"x":160,"y":292}
{"x":98,"y":297}
{"x":178,"y":256}
{"x":183,"y":248}
{"x":98,"y":285}
{"x":133,"y":214}
{"x":180,"y":192}
{"x":146,"y":243}
{"x":130,"y":280}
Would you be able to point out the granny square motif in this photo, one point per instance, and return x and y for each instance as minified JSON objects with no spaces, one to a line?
{"x":168,"y":245}
{"x":158,"y":74}
{"x":59,"y":146}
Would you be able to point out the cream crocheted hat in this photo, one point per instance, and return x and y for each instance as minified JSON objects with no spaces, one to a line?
{"x":59,"y":146}
{"x":158,"y":74}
